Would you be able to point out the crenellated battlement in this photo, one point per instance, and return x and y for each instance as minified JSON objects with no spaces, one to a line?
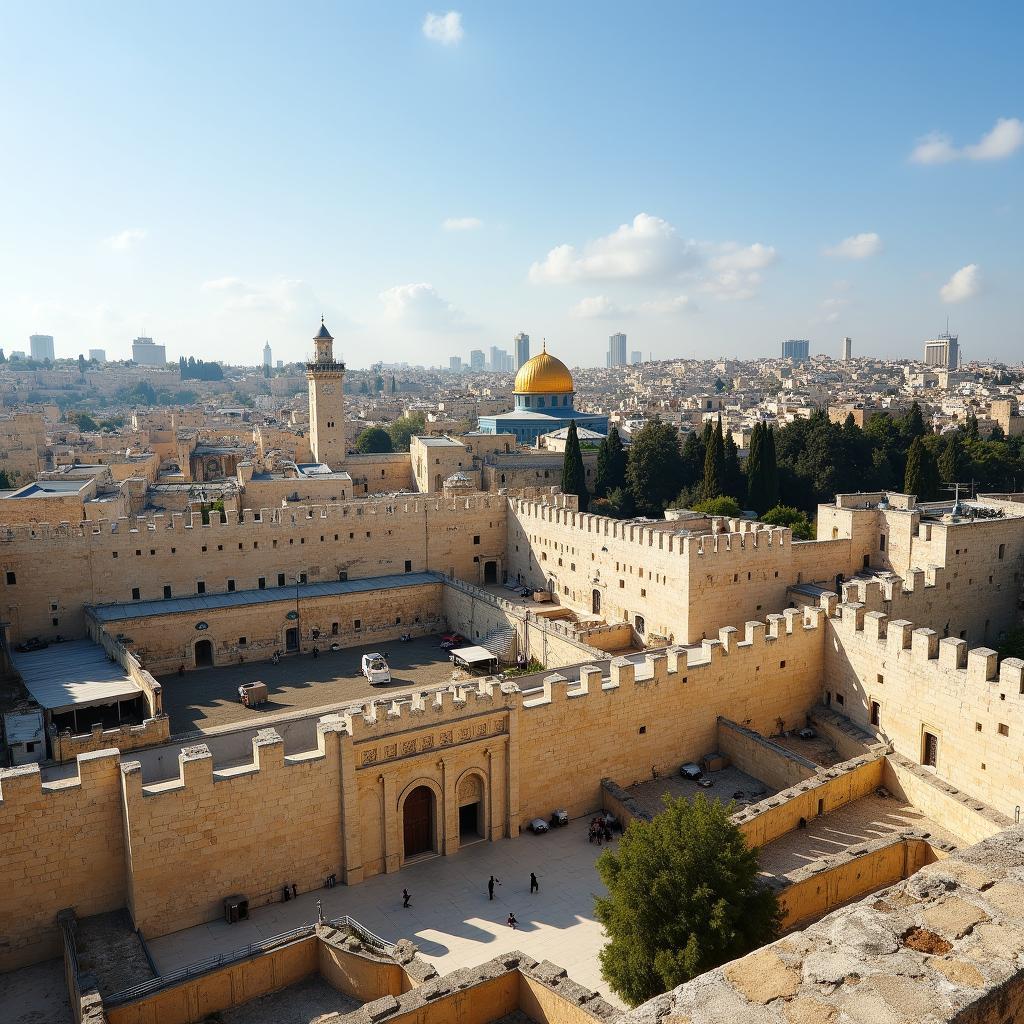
{"x":289,"y":517}
{"x":926,"y":649}
{"x":25,"y":783}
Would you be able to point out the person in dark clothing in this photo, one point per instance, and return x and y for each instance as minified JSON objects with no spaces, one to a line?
{"x":534,"y":884}
{"x":512,"y":922}
{"x":406,"y":897}
{"x":490,"y":887}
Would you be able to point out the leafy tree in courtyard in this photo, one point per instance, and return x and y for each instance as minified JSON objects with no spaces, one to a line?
{"x":720,"y":506}
{"x":653,"y":468}
{"x":714,"y":464}
{"x":922,"y":475}
{"x":611,"y":464}
{"x":683,"y":897}
{"x":373,"y":441}
{"x":574,"y":477}
{"x":794,"y":518}
{"x":403,"y":429}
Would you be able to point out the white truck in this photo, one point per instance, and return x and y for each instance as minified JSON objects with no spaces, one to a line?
{"x":375,"y":668}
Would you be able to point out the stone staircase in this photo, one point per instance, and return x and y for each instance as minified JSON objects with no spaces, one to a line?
{"x":501,"y":642}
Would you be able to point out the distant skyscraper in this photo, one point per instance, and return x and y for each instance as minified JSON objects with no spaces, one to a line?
{"x":796,"y":349}
{"x":636,"y":357}
{"x":99,"y":354}
{"x":943,"y":352}
{"x":41,"y":346}
{"x":476,"y":360}
{"x":147,"y":353}
{"x":268,"y":358}
{"x":847,"y":349}
{"x":522,"y":343}
{"x":455,"y":363}
{"x":617,"y":350}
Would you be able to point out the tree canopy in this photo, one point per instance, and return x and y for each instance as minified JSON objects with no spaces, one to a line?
{"x":794,"y":518}
{"x":574,"y":477}
{"x":654,"y":467}
{"x":683,"y":897}
{"x":373,"y":441}
{"x":402,"y":429}
{"x":611,"y":464}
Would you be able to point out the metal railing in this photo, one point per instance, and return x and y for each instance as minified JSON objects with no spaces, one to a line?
{"x":213,"y":963}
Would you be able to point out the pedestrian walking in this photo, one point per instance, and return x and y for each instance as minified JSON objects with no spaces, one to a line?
{"x":512,"y":922}
{"x":406,"y":897}
{"x":534,"y":884}
{"x":319,"y":911}
{"x":490,"y":886}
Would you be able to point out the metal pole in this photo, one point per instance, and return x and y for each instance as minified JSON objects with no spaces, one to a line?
{"x":298,"y":617}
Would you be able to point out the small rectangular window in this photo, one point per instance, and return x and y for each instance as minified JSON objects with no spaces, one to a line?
{"x":476,"y":538}
{"x":231,"y":586}
{"x":242,"y":641}
{"x":358,"y":624}
{"x":167,"y":592}
{"x":11,"y":579}
{"x":200,"y":587}
{"x":881,"y":542}
{"x":408,"y":565}
{"x":931,"y":750}
{"x":280,"y":579}
{"x":1004,"y":730}
{"x":262,"y":583}
{"x":875,"y":712}
{"x":135,"y":594}
{"x":840,"y":699}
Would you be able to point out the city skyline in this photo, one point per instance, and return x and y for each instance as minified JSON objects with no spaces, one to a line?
{"x":219,"y":203}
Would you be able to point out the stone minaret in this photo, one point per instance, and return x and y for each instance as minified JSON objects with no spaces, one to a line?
{"x":326,"y":402}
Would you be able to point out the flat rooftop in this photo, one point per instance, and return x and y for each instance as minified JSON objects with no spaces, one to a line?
{"x":240,"y":598}
{"x":76,"y":673}
{"x":725,"y":785}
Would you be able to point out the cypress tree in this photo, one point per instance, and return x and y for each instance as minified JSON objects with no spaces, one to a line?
{"x":574,"y":478}
{"x":949,"y":460}
{"x":714,"y":465}
{"x":771,"y":468}
{"x":611,"y":464}
{"x":755,"y":470}
{"x":733,"y":482}
{"x":922,"y":475}
{"x":971,"y":431}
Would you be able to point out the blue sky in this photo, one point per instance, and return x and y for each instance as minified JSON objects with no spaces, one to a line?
{"x":709,"y":178}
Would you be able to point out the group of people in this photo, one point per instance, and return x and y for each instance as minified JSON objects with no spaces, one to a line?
{"x":600,"y":831}
{"x":511,"y":920}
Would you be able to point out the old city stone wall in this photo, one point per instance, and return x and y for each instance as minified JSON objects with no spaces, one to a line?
{"x":48,"y":574}
{"x":923,"y":684}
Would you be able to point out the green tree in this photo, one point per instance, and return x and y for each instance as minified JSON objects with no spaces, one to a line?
{"x":693,"y":459}
{"x":723,"y":505}
{"x":81,"y":364}
{"x":912,"y":424}
{"x":6,"y":483}
{"x":683,"y":897}
{"x":611,"y":464}
{"x":403,"y":429}
{"x":653,"y":468}
{"x":971,"y":427}
{"x":3,"y":358}
{"x":85,"y":421}
{"x":574,"y":477}
{"x":618,"y":504}
{"x":714,"y":464}
{"x":794,"y":518}
{"x":922,"y":475}
{"x":733,"y":482}
{"x":373,"y":441}
{"x":951,"y":459}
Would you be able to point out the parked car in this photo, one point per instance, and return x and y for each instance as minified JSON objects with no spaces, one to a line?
{"x":538,"y":826}
{"x":559,"y":818}
{"x":375,"y":668}
{"x":705,"y":783}
{"x":691,"y":771}
{"x":807,"y":733}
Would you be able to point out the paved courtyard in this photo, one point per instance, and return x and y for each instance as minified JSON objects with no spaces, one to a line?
{"x":725,"y":785}
{"x":450,"y":919}
{"x":208,"y":697}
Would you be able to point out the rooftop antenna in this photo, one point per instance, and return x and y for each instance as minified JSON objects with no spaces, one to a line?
{"x":958,"y":509}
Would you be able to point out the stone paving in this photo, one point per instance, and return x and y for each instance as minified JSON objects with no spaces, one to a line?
{"x":35,"y":995}
{"x":451,"y":918}
{"x":302,"y":1003}
{"x":208,"y":697}
{"x":725,"y":784}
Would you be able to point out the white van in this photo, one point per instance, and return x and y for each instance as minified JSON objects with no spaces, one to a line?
{"x":375,"y":668}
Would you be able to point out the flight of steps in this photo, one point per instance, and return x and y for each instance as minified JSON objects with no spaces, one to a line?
{"x":501,"y":642}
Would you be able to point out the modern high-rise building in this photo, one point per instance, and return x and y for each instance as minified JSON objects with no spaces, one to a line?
{"x":501,"y":361}
{"x":636,"y":357}
{"x":522,"y":348}
{"x":847,"y":350}
{"x":797,"y":349}
{"x":147,"y":353}
{"x":268,"y":356}
{"x":455,"y":363}
{"x":943,"y":352}
{"x":40,"y":346}
{"x":477,"y":360}
{"x":617,"y":350}
{"x":99,"y":354}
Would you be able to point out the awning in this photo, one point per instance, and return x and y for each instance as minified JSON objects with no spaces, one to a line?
{"x":74,"y":674}
{"x":474,"y":655}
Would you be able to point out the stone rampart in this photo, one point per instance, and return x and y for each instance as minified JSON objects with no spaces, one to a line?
{"x":760,"y":757}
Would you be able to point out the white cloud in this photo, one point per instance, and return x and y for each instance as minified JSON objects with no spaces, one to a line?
{"x":857,"y":247}
{"x":281,"y":297}
{"x":420,"y":307}
{"x":832,"y":308}
{"x":751,"y":257}
{"x":1005,"y":138}
{"x":462,"y":223}
{"x":445,"y":29}
{"x":737,"y":270}
{"x":600,"y":307}
{"x":647,"y":249}
{"x":126,"y":239}
{"x":963,"y":285}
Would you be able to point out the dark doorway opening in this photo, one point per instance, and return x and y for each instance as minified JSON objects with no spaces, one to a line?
{"x":595,"y":602}
{"x":469,"y":821}
{"x":418,"y":821}
{"x":931,"y":750}
{"x":204,"y":654}
{"x":291,"y":639}
{"x":490,"y":572}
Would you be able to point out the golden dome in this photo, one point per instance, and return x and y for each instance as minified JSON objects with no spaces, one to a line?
{"x":543,"y":375}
